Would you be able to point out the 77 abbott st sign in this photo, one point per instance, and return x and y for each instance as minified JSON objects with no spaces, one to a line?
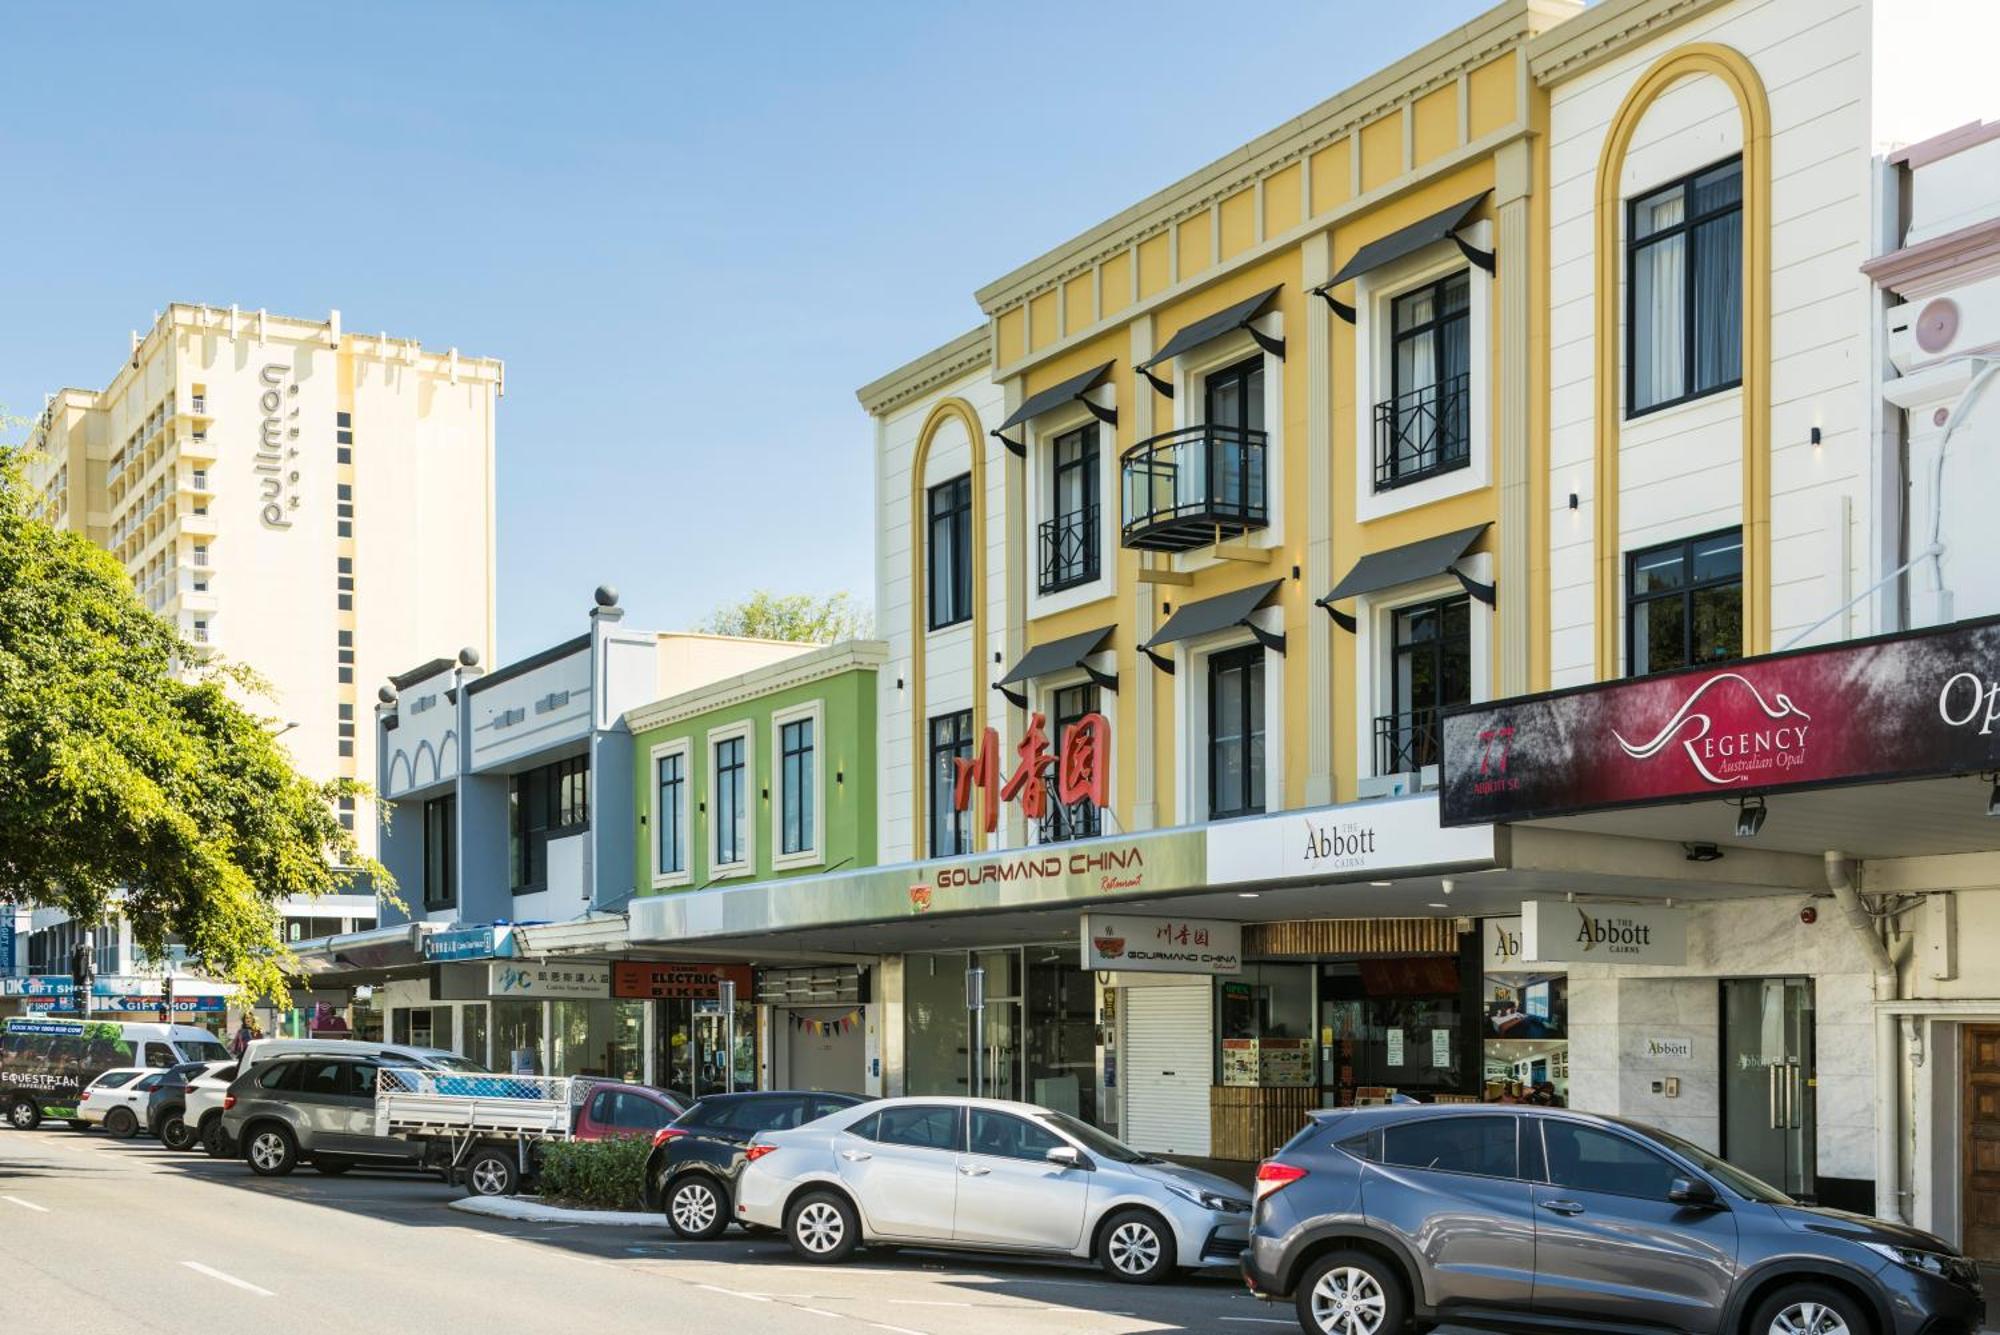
{"x":1897,"y":707}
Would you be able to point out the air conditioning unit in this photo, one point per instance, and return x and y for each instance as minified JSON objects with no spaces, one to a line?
{"x":1424,"y":780}
{"x":1938,"y":328}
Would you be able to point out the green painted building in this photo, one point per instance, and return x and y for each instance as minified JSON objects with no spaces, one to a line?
{"x":767,"y":774}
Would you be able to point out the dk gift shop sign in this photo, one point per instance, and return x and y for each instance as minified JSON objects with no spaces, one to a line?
{"x":1897,"y":707}
{"x":1559,"y":933}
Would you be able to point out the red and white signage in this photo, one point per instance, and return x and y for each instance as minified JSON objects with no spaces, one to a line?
{"x":1082,"y":770}
{"x":1907,"y":706}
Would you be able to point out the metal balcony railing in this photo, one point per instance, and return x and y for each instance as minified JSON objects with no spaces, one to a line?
{"x":1423,"y":433}
{"x":1406,"y":743}
{"x":1069,"y":550}
{"x":1060,"y":824}
{"x":1195,"y":486}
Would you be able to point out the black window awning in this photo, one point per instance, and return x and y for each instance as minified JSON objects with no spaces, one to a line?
{"x":1071,"y":390}
{"x":1426,"y":558}
{"x":1208,"y":615}
{"x":1211,"y":327}
{"x":1440,"y":226}
{"x":1057,"y":655}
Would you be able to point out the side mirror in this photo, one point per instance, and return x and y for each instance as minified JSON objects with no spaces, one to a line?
{"x":1065,"y":1156}
{"x":1693,"y":1194}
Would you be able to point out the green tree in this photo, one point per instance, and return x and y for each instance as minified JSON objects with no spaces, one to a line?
{"x":129,"y":766}
{"x":808,"y":618}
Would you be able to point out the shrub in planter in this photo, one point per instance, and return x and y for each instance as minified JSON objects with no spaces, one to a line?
{"x":595,"y":1174}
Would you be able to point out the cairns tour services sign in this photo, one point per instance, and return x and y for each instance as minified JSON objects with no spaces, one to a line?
{"x":1896,"y":707}
{"x":1558,"y":932}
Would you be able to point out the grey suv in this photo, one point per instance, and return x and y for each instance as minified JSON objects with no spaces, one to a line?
{"x":1375,"y":1218}
{"x":314,"y":1107}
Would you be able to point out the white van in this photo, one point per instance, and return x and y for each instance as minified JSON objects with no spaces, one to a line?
{"x":45,"y":1063}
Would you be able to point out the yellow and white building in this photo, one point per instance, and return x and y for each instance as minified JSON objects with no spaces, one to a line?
{"x":309,"y":500}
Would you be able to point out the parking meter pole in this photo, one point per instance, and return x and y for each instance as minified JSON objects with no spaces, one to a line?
{"x":727,"y":989}
{"x":975,"y":1001}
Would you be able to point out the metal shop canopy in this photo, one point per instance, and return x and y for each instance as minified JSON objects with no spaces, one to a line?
{"x":1222,"y":612}
{"x":1211,"y":327}
{"x":1426,"y":558}
{"x":1440,"y":226}
{"x":1058,"y":656}
{"x":1071,"y":390}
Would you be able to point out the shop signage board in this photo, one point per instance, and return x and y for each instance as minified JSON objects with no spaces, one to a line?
{"x":1555,"y":932}
{"x":521,"y":981}
{"x":677,"y":982}
{"x":1359,"y":840}
{"x":122,"y":1002}
{"x":467,"y":943}
{"x":1660,"y":1049}
{"x":1080,"y":772}
{"x":1502,"y":938}
{"x":1133,"y":944}
{"x":1896,"y":707}
{"x":6,"y":938}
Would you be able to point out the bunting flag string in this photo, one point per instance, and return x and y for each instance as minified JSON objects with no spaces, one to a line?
{"x":821,"y":1028}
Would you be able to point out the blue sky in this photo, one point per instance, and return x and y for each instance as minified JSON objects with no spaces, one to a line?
{"x":691,"y":231}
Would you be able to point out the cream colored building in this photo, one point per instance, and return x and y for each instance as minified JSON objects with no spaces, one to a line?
{"x":314,"y":502}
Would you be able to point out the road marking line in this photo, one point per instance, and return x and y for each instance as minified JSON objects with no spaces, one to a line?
{"x":926,"y":1302}
{"x":820,"y":1311}
{"x":735,"y":1293}
{"x":213,"y":1273}
{"x":26,"y":1205}
{"x":899,"y":1330}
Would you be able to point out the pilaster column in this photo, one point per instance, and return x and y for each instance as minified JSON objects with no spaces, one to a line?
{"x":1513,"y":180}
{"x":1316,"y":266}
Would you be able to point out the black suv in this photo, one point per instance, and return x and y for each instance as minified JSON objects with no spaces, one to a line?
{"x":1517,"y":1217}
{"x":695,"y":1162}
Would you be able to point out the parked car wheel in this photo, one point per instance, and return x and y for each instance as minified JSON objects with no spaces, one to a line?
{"x":120,"y":1124}
{"x":23,"y":1115}
{"x":1351,"y":1293}
{"x":492,"y":1173}
{"x":1136,"y":1248}
{"x":822,"y":1226}
{"x":330,"y":1167}
{"x":1810,"y":1307}
{"x":217,"y":1143}
{"x":270,"y":1151}
{"x":176,"y":1134}
{"x":697,"y":1208}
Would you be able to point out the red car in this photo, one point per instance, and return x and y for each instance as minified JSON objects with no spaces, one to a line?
{"x":613,"y":1109}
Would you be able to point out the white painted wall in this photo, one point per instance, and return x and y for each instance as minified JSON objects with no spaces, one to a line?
{"x":423,"y":750}
{"x":523,"y":717}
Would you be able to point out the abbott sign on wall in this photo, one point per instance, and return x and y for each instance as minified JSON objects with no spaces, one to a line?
{"x":1553,"y":932}
{"x":1345,"y":843}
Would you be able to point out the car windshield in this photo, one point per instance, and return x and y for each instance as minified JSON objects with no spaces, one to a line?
{"x":201,"y":1049}
{"x":1738,"y":1181}
{"x":455,"y":1064}
{"x":1097,"y":1142}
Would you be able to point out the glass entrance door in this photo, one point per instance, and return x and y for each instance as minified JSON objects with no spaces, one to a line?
{"x":1768,"y":1118}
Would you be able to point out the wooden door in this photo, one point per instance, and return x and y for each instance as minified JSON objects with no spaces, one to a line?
{"x":1980,"y":1205}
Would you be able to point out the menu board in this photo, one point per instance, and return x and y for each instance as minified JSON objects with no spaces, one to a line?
{"x":1240,"y":1064}
{"x":1286,"y":1061}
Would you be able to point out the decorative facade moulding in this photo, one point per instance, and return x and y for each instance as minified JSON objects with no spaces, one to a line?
{"x":1604,"y":30}
{"x":1943,"y":261}
{"x":963,"y":355}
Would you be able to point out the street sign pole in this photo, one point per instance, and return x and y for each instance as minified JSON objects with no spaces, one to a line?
{"x":727,"y":988}
{"x":975,"y":1001}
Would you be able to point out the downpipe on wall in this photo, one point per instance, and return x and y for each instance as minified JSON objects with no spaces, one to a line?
{"x":1840,"y":871}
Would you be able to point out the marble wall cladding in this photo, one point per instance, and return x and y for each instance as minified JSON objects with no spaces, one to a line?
{"x":1616,"y":1010}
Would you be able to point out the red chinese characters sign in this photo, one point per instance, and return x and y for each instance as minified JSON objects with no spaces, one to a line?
{"x":1082,"y":770}
{"x":1897,"y":707}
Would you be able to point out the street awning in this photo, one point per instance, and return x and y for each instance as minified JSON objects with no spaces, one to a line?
{"x":1057,"y":396}
{"x":1426,"y":558}
{"x":1405,"y":241}
{"x":1057,"y":655}
{"x":1212,"y":614}
{"x":1211,"y":327}
{"x":593,"y":933}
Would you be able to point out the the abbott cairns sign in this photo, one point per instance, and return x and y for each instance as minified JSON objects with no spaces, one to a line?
{"x":1555,"y":932}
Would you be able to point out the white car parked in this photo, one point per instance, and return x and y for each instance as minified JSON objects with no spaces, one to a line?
{"x":116,"y":1100}
{"x":984,"y":1175}
{"x":201,"y":1108}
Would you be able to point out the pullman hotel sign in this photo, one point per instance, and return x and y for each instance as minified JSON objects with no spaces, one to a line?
{"x":1897,"y":707}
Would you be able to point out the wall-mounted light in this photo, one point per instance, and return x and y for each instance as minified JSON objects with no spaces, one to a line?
{"x":1575,"y":502}
{"x":1750,"y":817}
{"x":899,"y":683}
{"x":840,"y":776}
{"x":1815,"y":435}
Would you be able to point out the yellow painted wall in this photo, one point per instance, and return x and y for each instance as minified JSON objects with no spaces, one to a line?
{"x":1155,"y":268}
{"x":1041,"y":320}
{"x":1239,"y":222}
{"x":1007,"y":336}
{"x":1078,"y":302}
{"x":1436,"y":131}
{"x":1332,"y":175}
{"x":1491,"y":98}
{"x":1117,"y":284}
{"x":1381,"y":151}
{"x":1281,"y":201}
{"x":1195,"y":253}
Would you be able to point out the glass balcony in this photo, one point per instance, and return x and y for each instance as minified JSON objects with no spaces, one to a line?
{"x":1193,"y":487}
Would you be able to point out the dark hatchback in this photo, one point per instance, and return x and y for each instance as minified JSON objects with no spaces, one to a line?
{"x":1531,"y":1218}
{"x":692,"y":1171}
{"x":166,"y":1103}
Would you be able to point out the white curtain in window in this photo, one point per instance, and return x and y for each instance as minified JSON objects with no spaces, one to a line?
{"x":1659,"y":278}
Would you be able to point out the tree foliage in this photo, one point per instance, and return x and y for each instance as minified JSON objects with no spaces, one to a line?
{"x":133,"y":778}
{"x":807,"y":618}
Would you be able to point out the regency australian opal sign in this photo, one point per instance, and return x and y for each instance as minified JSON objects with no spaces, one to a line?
{"x":1896,"y":707}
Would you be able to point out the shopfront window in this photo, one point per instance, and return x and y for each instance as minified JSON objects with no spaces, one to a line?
{"x":1264,"y":1026}
{"x":1524,"y":1018}
{"x":1062,"y":1034}
{"x":1396,"y":1025}
{"x":691,"y":1046}
{"x":472,"y":1031}
{"x":936,"y":1026}
{"x":600,"y":1038}
{"x":517,"y":1037}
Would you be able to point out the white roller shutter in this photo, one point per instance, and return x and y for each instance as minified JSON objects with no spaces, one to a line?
{"x":1169,"y":1039}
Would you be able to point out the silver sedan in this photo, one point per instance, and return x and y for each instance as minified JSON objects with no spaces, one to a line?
{"x":985,"y":1175}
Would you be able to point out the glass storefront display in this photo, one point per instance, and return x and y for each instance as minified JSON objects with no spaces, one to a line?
{"x":600,"y":1038}
{"x":1396,"y":1025}
{"x":1039,"y":1029}
{"x":1264,"y":1026}
{"x":690,"y":1043}
{"x":517,"y":1037}
{"x":1524,"y":1021}
{"x":937,"y":1029}
{"x":1062,"y":1034}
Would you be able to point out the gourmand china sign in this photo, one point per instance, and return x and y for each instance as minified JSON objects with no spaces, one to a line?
{"x":1904,"y":706}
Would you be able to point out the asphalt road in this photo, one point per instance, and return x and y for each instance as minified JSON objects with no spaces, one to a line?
{"x":104,"y":1237}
